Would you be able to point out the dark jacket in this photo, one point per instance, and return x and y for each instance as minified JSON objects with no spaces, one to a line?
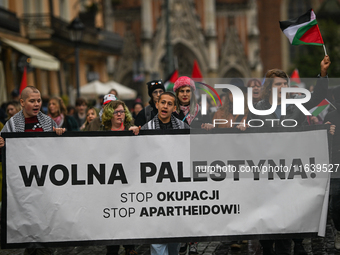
{"x":197,"y":121}
{"x":292,"y":111}
{"x":334,"y":118}
{"x":70,"y":124}
{"x":145,"y":115}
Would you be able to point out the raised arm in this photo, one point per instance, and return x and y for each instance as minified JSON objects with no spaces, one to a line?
{"x":320,"y":90}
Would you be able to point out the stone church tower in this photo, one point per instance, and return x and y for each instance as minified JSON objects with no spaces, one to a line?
{"x":221,"y":35}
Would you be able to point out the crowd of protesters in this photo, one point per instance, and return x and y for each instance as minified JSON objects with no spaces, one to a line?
{"x":178,"y":109}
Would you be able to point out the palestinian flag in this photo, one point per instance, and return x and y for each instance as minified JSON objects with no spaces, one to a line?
{"x":302,"y":30}
{"x":170,"y":81}
{"x":319,"y":108}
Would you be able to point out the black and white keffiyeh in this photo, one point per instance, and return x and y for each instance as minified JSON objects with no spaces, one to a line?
{"x":17,"y":123}
{"x":154,"y":124}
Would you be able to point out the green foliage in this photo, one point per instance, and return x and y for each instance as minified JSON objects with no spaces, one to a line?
{"x":308,"y":60}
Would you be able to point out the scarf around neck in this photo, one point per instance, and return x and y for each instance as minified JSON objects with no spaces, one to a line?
{"x":59,"y":120}
{"x":186,"y":111}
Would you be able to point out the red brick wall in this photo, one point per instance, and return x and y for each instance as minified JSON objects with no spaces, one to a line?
{"x":270,"y":33}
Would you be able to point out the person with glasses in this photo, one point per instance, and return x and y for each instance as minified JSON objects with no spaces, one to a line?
{"x":117,"y":117}
{"x":155,"y":89}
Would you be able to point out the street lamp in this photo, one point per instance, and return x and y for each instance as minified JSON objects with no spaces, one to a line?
{"x":76,"y":28}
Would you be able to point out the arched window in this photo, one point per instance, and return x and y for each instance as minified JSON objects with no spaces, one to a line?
{"x":185,"y":59}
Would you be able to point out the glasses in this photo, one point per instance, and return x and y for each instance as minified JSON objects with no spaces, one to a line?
{"x":118,"y":112}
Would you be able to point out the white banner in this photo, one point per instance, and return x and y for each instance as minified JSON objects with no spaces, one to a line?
{"x":156,"y":188}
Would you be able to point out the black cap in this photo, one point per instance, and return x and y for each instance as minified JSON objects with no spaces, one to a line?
{"x":155,"y":84}
{"x":15,"y":93}
{"x":238,"y":82}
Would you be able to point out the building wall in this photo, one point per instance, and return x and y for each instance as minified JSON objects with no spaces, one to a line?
{"x":48,"y":81}
{"x":270,"y":33}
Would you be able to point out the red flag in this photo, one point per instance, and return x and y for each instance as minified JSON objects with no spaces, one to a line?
{"x":295,"y":77}
{"x":196,"y":72}
{"x":23,"y":83}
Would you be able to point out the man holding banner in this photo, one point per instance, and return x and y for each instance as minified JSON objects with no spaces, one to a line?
{"x":164,"y":119}
{"x":166,"y":105}
{"x":278,"y":79}
{"x":30,"y":119}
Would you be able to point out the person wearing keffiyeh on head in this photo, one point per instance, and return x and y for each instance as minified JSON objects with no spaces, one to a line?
{"x":187,"y":108}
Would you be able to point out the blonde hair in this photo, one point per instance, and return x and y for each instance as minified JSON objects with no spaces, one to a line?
{"x":108,"y":114}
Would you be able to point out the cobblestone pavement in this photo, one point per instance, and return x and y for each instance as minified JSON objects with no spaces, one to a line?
{"x":314,"y":246}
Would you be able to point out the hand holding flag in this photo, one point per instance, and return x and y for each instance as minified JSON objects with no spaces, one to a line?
{"x":325,"y":63}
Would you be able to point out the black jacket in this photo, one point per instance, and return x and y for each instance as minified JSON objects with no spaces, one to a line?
{"x":145,"y":115}
{"x":197,"y":122}
{"x":70,"y":123}
{"x":334,"y":118}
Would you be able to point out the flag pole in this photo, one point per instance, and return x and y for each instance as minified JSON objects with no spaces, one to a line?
{"x":332,"y":105}
{"x":324,"y":48}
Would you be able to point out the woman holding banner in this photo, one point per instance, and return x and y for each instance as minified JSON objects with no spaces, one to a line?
{"x":116,"y":117}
